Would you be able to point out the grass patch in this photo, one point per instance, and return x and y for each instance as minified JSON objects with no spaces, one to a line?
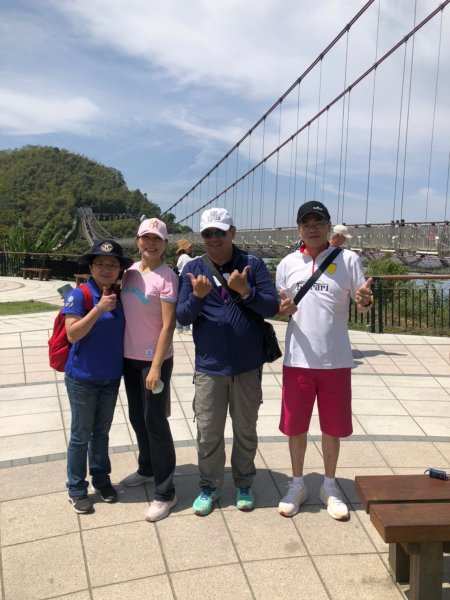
{"x":25,"y":307}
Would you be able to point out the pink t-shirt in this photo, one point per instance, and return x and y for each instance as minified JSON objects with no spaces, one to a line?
{"x":141,"y":296}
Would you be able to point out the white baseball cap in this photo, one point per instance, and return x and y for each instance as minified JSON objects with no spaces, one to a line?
{"x":216,"y":218}
{"x":342,"y":230}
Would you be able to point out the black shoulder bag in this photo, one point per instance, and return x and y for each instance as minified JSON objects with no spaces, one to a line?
{"x":271,"y":349}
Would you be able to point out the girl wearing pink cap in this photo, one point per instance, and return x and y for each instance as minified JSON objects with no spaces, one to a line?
{"x":149,"y":294}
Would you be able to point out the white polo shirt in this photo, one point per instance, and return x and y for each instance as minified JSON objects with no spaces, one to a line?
{"x":317,"y":334}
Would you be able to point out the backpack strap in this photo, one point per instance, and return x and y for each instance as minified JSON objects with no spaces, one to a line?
{"x":87,"y":296}
{"x":317,"y":273}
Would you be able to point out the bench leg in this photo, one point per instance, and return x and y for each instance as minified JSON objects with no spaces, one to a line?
{"x":426,"y":571}
{"x":399,"y":563}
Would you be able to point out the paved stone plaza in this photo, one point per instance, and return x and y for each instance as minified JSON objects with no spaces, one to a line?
{"x":401,"y":406}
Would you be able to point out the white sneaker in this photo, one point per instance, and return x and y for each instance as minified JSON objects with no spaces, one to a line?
{"x":135,"y":479}
{"x":290,"y":504}
{"x":160,"y":509}
{"x":332,"y":499}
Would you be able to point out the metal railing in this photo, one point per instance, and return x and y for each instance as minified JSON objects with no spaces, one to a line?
{"x":63,"y":266}
{"x":407,"y":304}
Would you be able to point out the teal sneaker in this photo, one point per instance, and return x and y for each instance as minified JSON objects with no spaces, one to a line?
{"x":244,"y":499}
{"x":204,"y":503}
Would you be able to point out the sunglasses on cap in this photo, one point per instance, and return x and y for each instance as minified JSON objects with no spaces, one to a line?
{"x":213,"y":233}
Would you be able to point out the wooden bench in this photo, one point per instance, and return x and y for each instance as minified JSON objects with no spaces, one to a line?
{"x":41,"y":272}
{"x":412,"y":514}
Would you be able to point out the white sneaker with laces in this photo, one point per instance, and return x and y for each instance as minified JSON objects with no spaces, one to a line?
{"x":136,"y":479}
{"x":332,"y":498}
{"x":290,"y":504}
{"x":160,"y":509}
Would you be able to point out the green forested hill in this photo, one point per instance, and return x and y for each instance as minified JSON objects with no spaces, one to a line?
{"x":42,"y":187}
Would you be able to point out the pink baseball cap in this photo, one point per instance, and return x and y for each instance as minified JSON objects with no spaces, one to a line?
{"x":154,"y":226}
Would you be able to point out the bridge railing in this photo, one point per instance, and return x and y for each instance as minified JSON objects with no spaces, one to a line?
{"x":407,"y":304}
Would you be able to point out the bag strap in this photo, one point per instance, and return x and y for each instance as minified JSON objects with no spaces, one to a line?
{"x":87,"y":296}
{"x":317,"y":273}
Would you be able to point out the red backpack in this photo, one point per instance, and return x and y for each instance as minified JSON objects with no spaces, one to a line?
{"x":58,"y":344}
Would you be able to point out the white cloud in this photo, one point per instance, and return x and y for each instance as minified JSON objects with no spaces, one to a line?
{"x":29,"y":114}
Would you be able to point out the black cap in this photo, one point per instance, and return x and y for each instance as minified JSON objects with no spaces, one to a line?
{"x":107,"y":248}
{"x":316,"y":208}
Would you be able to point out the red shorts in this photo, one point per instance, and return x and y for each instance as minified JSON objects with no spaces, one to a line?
{"x":332,"y":387}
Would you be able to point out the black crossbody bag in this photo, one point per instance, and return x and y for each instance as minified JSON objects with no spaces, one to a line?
{"x":271,"y":348}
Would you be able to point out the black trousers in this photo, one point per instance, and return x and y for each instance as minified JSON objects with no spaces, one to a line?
{"x":148,"y":415}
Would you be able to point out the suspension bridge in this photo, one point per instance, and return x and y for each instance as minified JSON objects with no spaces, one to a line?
{"x":365,"y":128}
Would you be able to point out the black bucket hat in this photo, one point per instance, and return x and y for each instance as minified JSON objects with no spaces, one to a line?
{"x":107,"y":248}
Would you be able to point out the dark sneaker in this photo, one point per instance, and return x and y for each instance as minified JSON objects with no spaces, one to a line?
{"x":204,"y":503}
{"x":107,"y":493}
{"x":82,"y":505}
{"x":245,"y":500}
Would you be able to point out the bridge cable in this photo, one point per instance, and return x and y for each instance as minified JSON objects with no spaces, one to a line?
{"x":324,"y":170}
{"x":337,"y":98}
{"x":261,"y":195}
{"x":249,"y":161}
{"x":402,"y":199}
{"x":235,"y":190}
{"x":342,"y":126}
{"x":372,"y":115}
{"x":289,"y":220}
{"x":446,"y":188}
{"x":318,"y":129}
{"x":296,"y":150}
{"x":307,"y":161}
{"x":436,"y":89}
{"x":344,"y":183}
{"x":277,"y":170}
{"x":399,"y":132}
{"x":343,"y":31}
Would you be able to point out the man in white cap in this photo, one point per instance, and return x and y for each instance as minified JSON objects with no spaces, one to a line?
{"x":225,"y":295}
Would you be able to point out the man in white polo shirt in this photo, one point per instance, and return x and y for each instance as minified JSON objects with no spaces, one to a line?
{"x":318,"y":357}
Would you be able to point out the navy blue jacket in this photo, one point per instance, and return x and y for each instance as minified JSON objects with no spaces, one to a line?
{"x":228,"y":341}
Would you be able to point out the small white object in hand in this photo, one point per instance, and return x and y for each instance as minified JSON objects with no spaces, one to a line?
{"x":158,"y":387}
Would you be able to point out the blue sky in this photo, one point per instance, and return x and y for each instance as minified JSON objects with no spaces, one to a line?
{"x":161,"y":90}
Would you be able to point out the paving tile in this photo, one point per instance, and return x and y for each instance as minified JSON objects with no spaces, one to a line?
{"x":276,"y":455}
{"x":29,"y":391}
{"x":29,"y":480}
{"x":444,"y":448}
{"x":377,"y":540}
{"x":268,"y":426}
{"x":422,"y":382}
{"x":77,"y":596}
{"x":434,"y":426}
{"x":32,"y":444}
{"x":409,"y":454}
{"x":262,"y":534}
{"x":131,"y":506}
{"x":190,"y":534}
{"x":444,"y":382}
{"x":421,"y":408}
{"x":335,"y":537}
{"x":45,"y":568}
{"x":368,"y":381}
{"x":423,"y":393}
{"x":187,"y":460}
{"x":150,"y":588}
{"x":226,"y":582}
{"x":285,"y":579}
{"x":180,"y":430}
{"x":40,"y":376}
{"x":377,"y":406}
{"x":25,"y":520}
{"x":28,"y":406}
{"x":109,"y":563}
{"x":30,"y":423}
{"x":359,"y":454}
{"x":383,"y":425}
{"x":346,"y":478}
{"x":12,"y":378}
{"x":350,"y":577}
{"x":119,"y":435}
{"x":369,"y":393}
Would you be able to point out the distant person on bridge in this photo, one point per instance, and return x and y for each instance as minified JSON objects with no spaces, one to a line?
{"x":93,"y":371}
{"x":225,"y":294}
{"x":318,"y":357}
{"x":149,"y":294}
{"x":184,"y":252}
